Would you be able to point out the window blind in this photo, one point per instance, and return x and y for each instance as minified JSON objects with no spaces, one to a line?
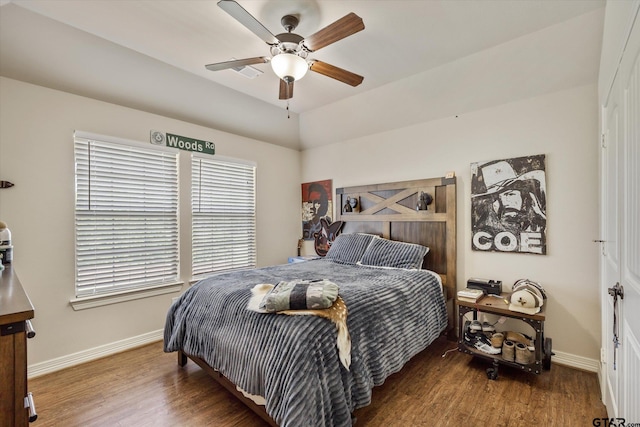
{"x":223,"y":216}
{"x":126,"y":217}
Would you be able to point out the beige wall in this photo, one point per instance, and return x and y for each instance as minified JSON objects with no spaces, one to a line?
{"x":562,"y":125}
{"x":36,"y":126}
{"x":36,"y":154}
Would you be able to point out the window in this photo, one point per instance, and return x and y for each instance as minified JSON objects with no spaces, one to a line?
{"x":126,"y":216}
{"x":223,"y":215}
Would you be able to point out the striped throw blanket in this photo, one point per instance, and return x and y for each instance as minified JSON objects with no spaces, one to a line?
{"x":293,"y":361}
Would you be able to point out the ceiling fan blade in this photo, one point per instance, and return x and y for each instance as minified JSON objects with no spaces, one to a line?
{"x":286,"y":90}
{"x":336,"y":73}
{"x":343,"y":27}
{"x":246,"y":19}
{"x":236,"y":63}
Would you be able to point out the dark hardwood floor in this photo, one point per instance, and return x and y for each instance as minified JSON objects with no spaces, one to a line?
{"x":146,"y":387}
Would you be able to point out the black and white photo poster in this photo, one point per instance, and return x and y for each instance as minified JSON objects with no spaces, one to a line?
{"x":509,"y":205}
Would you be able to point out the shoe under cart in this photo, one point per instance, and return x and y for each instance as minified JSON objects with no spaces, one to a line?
{"x":499,"y":306}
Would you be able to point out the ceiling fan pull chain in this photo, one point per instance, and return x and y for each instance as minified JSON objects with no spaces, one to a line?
{"x":288,"y":114}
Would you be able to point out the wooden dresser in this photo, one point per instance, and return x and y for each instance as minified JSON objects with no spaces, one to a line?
{"x":15,"y":311}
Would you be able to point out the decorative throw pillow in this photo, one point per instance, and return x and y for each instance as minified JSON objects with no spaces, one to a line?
{"x":300,"y":295}
{"x":389,"y":253}
{"x":349,"y":248}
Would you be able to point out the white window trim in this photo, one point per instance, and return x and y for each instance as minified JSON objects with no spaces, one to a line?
{"x":225,"y":159}
{"x":123,"y":141}
{"x":123,"y":296}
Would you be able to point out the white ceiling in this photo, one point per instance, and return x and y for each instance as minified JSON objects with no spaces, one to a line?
{"x":172,"y":38}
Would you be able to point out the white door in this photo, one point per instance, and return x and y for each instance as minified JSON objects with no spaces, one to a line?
{"x":620,"y":198}
{"x":610,"y":263}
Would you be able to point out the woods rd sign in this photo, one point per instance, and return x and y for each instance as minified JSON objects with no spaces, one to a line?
{"x":182,"y":142}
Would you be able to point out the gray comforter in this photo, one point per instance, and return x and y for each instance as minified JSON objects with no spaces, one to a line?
{"x":293,"y":360}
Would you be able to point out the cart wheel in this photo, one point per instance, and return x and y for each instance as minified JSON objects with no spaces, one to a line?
{"x":546,"y":361}
{"x":492,"y":373}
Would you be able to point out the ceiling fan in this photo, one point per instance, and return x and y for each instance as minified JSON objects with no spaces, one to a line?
{"x":289,"y":51}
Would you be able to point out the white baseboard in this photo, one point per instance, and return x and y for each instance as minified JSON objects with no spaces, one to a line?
{"x":573,"y":361}
{"x":48,"y":366}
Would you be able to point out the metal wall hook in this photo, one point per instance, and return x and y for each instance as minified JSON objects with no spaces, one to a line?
{"x":602,"y":246}
{"x":616,"y":291}
{"x":6,"y":184}
{"x":424,"y":200}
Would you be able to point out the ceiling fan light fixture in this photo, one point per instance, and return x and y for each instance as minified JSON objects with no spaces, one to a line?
{"x":289,"y":67}
{"x":289,"y":50}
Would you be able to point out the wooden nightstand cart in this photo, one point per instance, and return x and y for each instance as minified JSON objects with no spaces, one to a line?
{"x":498,"y":306}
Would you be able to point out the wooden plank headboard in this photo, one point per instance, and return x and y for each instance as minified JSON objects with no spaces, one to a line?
{"x":389,"y":210}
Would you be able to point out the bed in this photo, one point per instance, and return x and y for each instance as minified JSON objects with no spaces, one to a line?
{"x":294,"y":370}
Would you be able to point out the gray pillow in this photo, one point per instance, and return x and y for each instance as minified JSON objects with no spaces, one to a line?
{"x":390,"y":253}
{"x":349,"y":248}
{"x":300,"y":295}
